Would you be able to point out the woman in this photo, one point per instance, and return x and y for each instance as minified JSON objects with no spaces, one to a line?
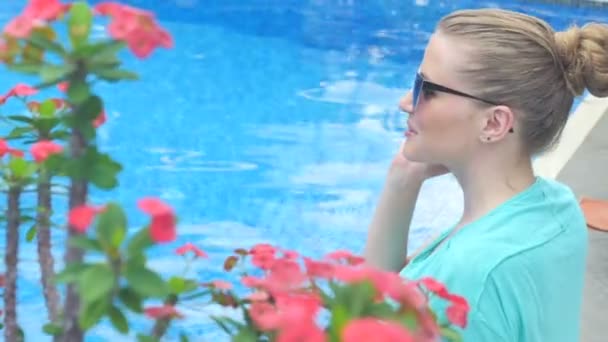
{"x":495,"y":88}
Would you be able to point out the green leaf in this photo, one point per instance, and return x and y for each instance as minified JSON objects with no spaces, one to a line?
{"x":97,"y":63}
{"x":360,"y":295}
{"x":179,"y":285}
{"x":93,"y":312}
{"x":47,"y":108}
{"x":52,"y":329}
{"x":146,"y":282}
{"x":19,"y":132}
{"x":21,"y":169}
{"x":70,"y":273}
{"x":220,"y":322}
{"x":58,"y":164}
{"x":90,"y":109}
{"x":53,"y":74}
{"x":46,"y":125}
{"x":409,"y":319}
{"x":39,"y":40}
{"x":138,"y":260}
{"x":98,"y":168}
{"x":176,"y":285}
{"x":78,"y":92}
{"x":450,"y":334}
{"x":245,"y":335}
{"x":130,"y":299}
{"x":183,"y":337}
{"x":20,"y":334}
{"x":139,"y":242}
{"x":104,"y":173}
{"x":96,"y":282}
{"x":146,"y":338}
{"x":380,"y":310}
{"x":59,"y":135}
{"x":119,"y":320}
{"x":25,"y":68}
{"x":79,"y":23}
{"x":100,"y":50}
{"x":112,"y":226}
{"x":339,"y":318}
{"x":85,"y":243}
{"x":21,"y":118}
{"x":196,"y":295}
{"x":31,"y":233}
{"x":190,"y":285}
{"x":113,"y":75}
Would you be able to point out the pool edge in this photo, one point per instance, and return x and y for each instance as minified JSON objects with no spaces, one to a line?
{"x":578,"y":128}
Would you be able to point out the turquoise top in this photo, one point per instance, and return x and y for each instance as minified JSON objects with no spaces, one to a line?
{"x":521,"y":268}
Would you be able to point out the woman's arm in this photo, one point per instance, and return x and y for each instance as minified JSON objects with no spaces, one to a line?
{"x":386,"y":246}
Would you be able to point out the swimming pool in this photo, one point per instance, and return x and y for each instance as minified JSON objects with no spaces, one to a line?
{"x":270,"y":121}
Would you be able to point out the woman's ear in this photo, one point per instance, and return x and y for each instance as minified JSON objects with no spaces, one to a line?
{"x":498,"y":122}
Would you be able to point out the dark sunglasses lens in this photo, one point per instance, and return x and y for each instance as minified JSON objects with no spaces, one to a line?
{"x":416,"y":90}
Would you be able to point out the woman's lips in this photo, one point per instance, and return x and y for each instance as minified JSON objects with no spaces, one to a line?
{"x":410,"y":130}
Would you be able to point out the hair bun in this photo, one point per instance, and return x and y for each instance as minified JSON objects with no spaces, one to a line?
{"x":584,"y":56}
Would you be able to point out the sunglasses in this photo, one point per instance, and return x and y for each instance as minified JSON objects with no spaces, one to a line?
{"x":422,"y":85}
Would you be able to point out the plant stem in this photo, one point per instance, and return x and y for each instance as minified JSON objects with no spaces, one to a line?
{"x":45,"y":255}
{"x":161,"y":325}
{"x":78,"y":196}
{"x":73,"y":255}
{"x":11,"y":328}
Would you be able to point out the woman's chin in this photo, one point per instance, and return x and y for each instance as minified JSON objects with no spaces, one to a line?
{"x":411,"y":152}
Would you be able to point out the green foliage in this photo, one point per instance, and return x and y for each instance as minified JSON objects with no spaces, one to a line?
{"x":79,"y":23}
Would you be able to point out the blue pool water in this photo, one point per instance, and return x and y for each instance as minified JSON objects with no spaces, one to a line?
{"x":270,"y":121}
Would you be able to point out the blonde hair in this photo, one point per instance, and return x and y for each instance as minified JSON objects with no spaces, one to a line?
{"x":520,"y":61}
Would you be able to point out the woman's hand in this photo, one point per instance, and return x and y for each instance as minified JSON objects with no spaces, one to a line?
{"x":403,"y":171}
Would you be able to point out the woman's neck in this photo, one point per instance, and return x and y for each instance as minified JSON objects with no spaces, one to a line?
{"x":490,"y":180}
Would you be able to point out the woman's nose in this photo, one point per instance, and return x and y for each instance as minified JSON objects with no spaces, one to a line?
{"x":406,"y":103}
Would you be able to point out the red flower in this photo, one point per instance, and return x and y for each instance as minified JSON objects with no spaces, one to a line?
{"x":189,"y":247}
{"x":221,"y":285}
{"x":162,"y":227}
{"x":435,"y":287}
{"x":290,"y":254}
{"x":258,"y":296}
{"x":250,"y":281}
{"x":100,"y":120}
{"x":138,"y":28}
{"x":81,"y":217}
{"x":46,"y":10}
{"x":20,"y":27}
{"x":319,"y":269}
{"x":160,"y":312}
{"x":23,"y":90}
{"x":374,"y":330}
{"x":18,"y":90}
{"x":307,"y":331}
{"x":59,"y":103}
{"x":263,"y":255}
{"x":458,"y":310}
{"x":43,"y":149}
{"x":265,"y":315}
{"x":63,"y":86}
{"x":459,"y":307}
{"x":345,"y":256}
{"x":36,"y":14}
{"x":4,"y":149}
{"x":285,"y":274}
